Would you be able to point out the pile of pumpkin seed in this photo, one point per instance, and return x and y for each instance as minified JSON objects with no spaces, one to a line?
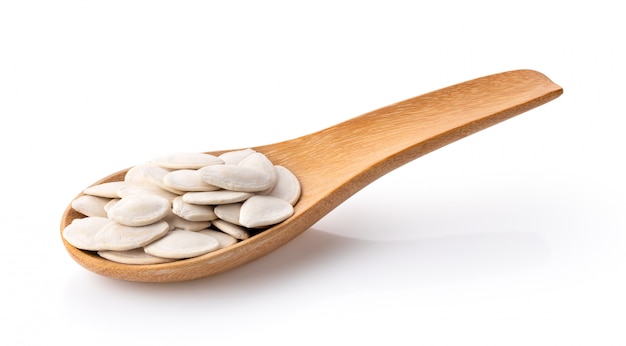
{"x":183,"y":205}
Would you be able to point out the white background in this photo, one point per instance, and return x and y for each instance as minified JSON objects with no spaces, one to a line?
{"x":513,"y":236}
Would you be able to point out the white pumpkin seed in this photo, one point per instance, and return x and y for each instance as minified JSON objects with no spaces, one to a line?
{"x":287,"y":186}
{"x":237,"y":178}
{"x":81,"y":232}
{"x":139,"y":210}
{"x":187,"y":180}
{"x":108,"y":190}
{"x":176,"y":221}
{"x":223,"y":238}
{"x":235,"y":156}
{"x":115,"y":236}
{"x":90,"y":205}
{"x":228,"y":212}
{"x":193,"y":212}
{"x":185,"y":160}
{"x":110,"y":204}
{"x":262,"y":211}
{"x":150,"y":173}
{"x":182,"y":244}
{"x":135,"y":174}
{"x":236,"y":231}
{"x":260,"y":163}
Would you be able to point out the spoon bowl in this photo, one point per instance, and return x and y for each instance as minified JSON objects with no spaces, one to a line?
{"x":335,"y":163}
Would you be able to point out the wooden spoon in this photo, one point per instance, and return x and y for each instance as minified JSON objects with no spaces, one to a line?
{"x":336,"y":162}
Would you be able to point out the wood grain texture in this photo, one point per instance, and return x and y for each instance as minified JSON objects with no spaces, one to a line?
{"x":335,"y":163}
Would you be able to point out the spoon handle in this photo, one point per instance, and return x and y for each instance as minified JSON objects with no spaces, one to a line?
{"x":362,"y":149}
